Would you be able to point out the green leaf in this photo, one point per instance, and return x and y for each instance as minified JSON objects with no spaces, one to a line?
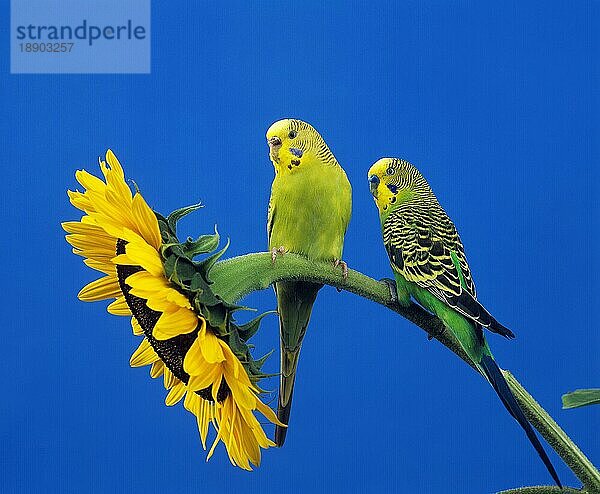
{"x":202,"y":245}
{"x":249,"y":329}
{"x":176,"y":215}
{"x":203,"y":294}
{"x":260,"y":362}
{"x":185,"y":272}
{"x":160,"y":217}
{"x":179,"y":270}
{"x":173,"y":248}
{"x":205,"y":266}
{"x":216,"y":316}
{"x":581,"y":398}
{"x":236,"y":344}
{"x":169,"y":266}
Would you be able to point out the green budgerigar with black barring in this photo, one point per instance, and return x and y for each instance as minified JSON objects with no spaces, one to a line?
{"x":430,"y":266}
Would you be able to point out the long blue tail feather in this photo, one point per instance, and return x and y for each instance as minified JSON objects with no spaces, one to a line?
{"x":493,"y":373}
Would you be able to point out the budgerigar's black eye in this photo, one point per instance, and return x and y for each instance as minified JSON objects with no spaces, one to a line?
{"x":292,"y":134}
{"x":390,"y":171}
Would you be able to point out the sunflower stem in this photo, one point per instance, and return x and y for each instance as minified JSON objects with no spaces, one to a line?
{"x":581,"y":466}
{"x":239,"y":276}
{"x":543,"y":489}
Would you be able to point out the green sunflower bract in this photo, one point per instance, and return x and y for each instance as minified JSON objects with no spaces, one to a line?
{"x":190,"y":336}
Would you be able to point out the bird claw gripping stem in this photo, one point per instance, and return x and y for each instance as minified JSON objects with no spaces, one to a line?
{"x":343,"y":265}
{"x":391,"y":286}
{"x":277,"y":251}
{"x":435,"y":334}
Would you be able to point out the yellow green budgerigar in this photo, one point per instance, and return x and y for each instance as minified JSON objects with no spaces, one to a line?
{"x":309,"y":211}
{"x":430,"y":266}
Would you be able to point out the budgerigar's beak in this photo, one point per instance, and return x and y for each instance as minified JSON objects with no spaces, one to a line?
{"x":374,"y":185}
{"x":274,"y":147}
{"x":274,"y":141}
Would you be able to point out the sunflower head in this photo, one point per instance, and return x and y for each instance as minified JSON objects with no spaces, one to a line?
{"x":190,"y":334}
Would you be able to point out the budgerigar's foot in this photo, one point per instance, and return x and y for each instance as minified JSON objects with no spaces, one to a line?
{"x":339,"y":262}
{"x":391,"y":286}
{"x":435,"y":334}
{"x":275,"y":251}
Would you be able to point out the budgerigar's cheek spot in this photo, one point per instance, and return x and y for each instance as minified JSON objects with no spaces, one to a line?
{"x":393,"y":188}
{"x":296,"y":152}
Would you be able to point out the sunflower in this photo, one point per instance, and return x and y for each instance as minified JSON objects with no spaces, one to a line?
{"x":189,"y":335}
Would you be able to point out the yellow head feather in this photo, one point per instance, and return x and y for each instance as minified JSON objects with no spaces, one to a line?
{"x":394,"y":181}
{"x":295,"y":145}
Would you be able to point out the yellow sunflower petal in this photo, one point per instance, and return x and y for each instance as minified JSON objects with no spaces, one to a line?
{"x":109,"y":211}
{"x":216,"y":385}
{"x":171,"y":324}
{"x":119,"y":307}
{"x":244,"y":434}
{"x":211,"y":347}
{"x":101,"y":242}
{"x":233,"y":447}
{"x":202,"y":381}
{"x":161,"y":296}
{"x":268,"y":413}
{"x":253,"y":427}
{"x":169,"y":379}
{"x":103,"y":267}
{"x":112,"y":226}
{"x":146,"y":222}
{"x":159,"y":304}
{"x":115,"y":176}
{"x":233,"y":366}
{"x":145,"y":255}
{"x":146,"y":284}
{"x":242,"y":394}
{"x":136,"y":328}
{"x":141,"y":255}
{"x":175,"y":394}
{"x":98,"y":255}
{"x":115,"y":164}
{"x":250,"y":446}
{"x":192,"y":402}
{"x":220,"y":431}
{"x":194,"y":362}
{"x":89,"y":181}
{"x":82,"y":228}
{"x":206,"y":417}
{"x":177,"y":298}
{"x":144,"y":355}
{"x":101,"y":289}
{"x":80,"y":201}
{"x":202,"y":410}
{"x":157,"y":369}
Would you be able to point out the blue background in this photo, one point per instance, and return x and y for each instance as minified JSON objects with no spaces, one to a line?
{"x":497,"y":105}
